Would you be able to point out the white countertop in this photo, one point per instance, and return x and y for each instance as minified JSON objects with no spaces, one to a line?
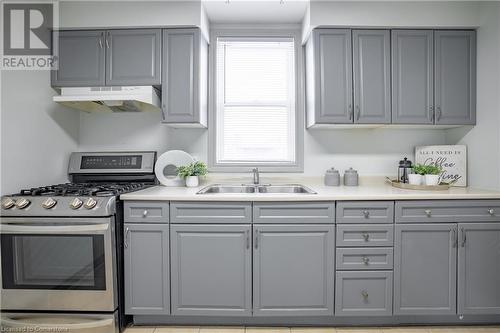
{"x":370,"y":188}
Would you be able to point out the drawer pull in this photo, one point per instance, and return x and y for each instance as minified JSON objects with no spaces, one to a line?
{"x":366,"y":260}
{"x":366,"y":236}
{"x":127,"y":232}
{"x":145,"y":213}
{"x":428,"y":212}
{"x":366,"y":214}
{"x":491,"y":212}
{"x":364,"y":293}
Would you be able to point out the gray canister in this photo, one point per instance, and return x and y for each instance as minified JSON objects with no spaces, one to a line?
{"x":332,"y":177}
{"x":351,"y":177}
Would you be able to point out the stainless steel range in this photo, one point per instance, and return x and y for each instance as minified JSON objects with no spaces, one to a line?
{"x":61,"y":246}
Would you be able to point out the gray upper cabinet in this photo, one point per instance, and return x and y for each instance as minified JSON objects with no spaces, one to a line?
{"x":329,"y":77}
{"x":412,"y":77}
{"x":108,"y":58}
{"x":425,"y":269}
{"x":133,"y":57}
{"x":479,"y":268}
{"x":146,"y":256}
{"x":81,"y":57}
{"x":455,"y":77}
{"x":372,"y":76}
{"x":185,"y":77}
{"x":211,"y":269}
{"x":293,"y":270}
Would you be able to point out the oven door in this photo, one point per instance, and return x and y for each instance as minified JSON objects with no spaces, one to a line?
{"x":64,"y":264}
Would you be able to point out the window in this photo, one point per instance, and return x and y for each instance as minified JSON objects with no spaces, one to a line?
{"x":255,"y":102}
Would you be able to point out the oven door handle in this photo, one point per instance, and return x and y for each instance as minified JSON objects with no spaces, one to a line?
{"x":46,"y":229}
{"x":10,"y":322}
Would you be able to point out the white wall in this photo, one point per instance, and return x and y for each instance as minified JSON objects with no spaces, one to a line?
{"x":103,"y":14}
{"x":37,"y":135}
{"x":483,"y":140}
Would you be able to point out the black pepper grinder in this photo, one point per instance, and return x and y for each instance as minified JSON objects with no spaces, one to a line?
{"x":404,"y":170}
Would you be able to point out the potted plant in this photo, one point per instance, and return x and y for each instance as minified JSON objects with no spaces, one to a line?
{"x":192,"y":172}
{"x":432,"y":174}
{"x":416,"y":178}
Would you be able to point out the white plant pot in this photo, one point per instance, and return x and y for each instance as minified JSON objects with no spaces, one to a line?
{"x":431,"y":180}
{"x":415,"y":179}
{"x":192,"y":181}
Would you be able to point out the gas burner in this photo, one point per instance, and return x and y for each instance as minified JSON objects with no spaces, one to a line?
{"x":84,"y":189}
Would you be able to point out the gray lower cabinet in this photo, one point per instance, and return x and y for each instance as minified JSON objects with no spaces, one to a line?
{"x":412,"y":76}
{"x":133,"y":57}
{"x":81,"y":59}
{"x":185,"y":77}
{"x":425,"y":269}
{"x":146,"y":256}
{"x":329,"y":77}
{"x":455,"y":77}
{"x":363,"y":293}
{"x":479,"y":268}
{"x":211,"y":269}
{"x":293,"y":270}
{"x":372,"y":76}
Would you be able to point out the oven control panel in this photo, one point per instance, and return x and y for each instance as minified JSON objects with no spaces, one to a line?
{"x":112,"y":162}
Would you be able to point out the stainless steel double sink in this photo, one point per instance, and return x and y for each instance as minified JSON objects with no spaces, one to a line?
{"x":226,"y":189}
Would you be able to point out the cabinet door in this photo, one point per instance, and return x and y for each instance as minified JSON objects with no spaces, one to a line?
{"x":146,"y":257}
{"x":333,"y":76}
{"x":133,"y":57}
{"x":425,"y":269}
{"x":372,"y":76}
{"x":455,"y":90}
{"x":412,"y":77}
{"x":293,"y":270}
{"x":211,"y":270}
{"x":81,"y":59}
{"x":479,"y":268}
{"x":181,"y":75}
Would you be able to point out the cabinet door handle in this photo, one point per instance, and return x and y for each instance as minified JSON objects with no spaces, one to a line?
{"x":256,"y":239}
{"x":454,"y":237}
{"x":125,"y":243}
{"x":438,"y":114}
{"x":100,"y":40}
{"x":431,"y":113}
{"x":247,"y":239}
{"x":350,"y":112}
{"x":358,"y":112}
{"x":464,"y":237}
{"x":107,"y":39}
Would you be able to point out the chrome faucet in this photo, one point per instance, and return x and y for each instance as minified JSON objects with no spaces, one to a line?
{"x":256,"y":177}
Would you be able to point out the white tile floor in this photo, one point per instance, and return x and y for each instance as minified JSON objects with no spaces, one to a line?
{"x":212,"y":329}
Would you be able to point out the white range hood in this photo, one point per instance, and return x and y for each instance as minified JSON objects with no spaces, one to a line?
{"x":110,"y":99}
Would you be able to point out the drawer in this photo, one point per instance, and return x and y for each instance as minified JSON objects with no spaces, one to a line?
{"x":363,"y":294}
{"x":365,"y":212}
{"x":365,"y":235}
{"x":447,"y":211}
{"x":145,"y":211}
{"x":294,"y":212}
{"x":211,"y":212}
{"x":364,"y":258}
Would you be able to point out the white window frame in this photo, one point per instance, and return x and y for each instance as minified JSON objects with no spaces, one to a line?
{"x":298,"y":165}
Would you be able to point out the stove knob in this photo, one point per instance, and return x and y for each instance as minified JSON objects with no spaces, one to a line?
{"x":90,"y":203}
{"x":75,"y":203}
{"x":8,"y":203}
{"x":49,"y":203}
{"x":22,"y":203}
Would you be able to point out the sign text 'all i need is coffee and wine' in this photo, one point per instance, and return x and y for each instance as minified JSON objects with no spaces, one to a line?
{"x":451,"y":159}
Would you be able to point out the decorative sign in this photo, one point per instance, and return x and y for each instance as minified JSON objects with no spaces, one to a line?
{"x":452,"y":159}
